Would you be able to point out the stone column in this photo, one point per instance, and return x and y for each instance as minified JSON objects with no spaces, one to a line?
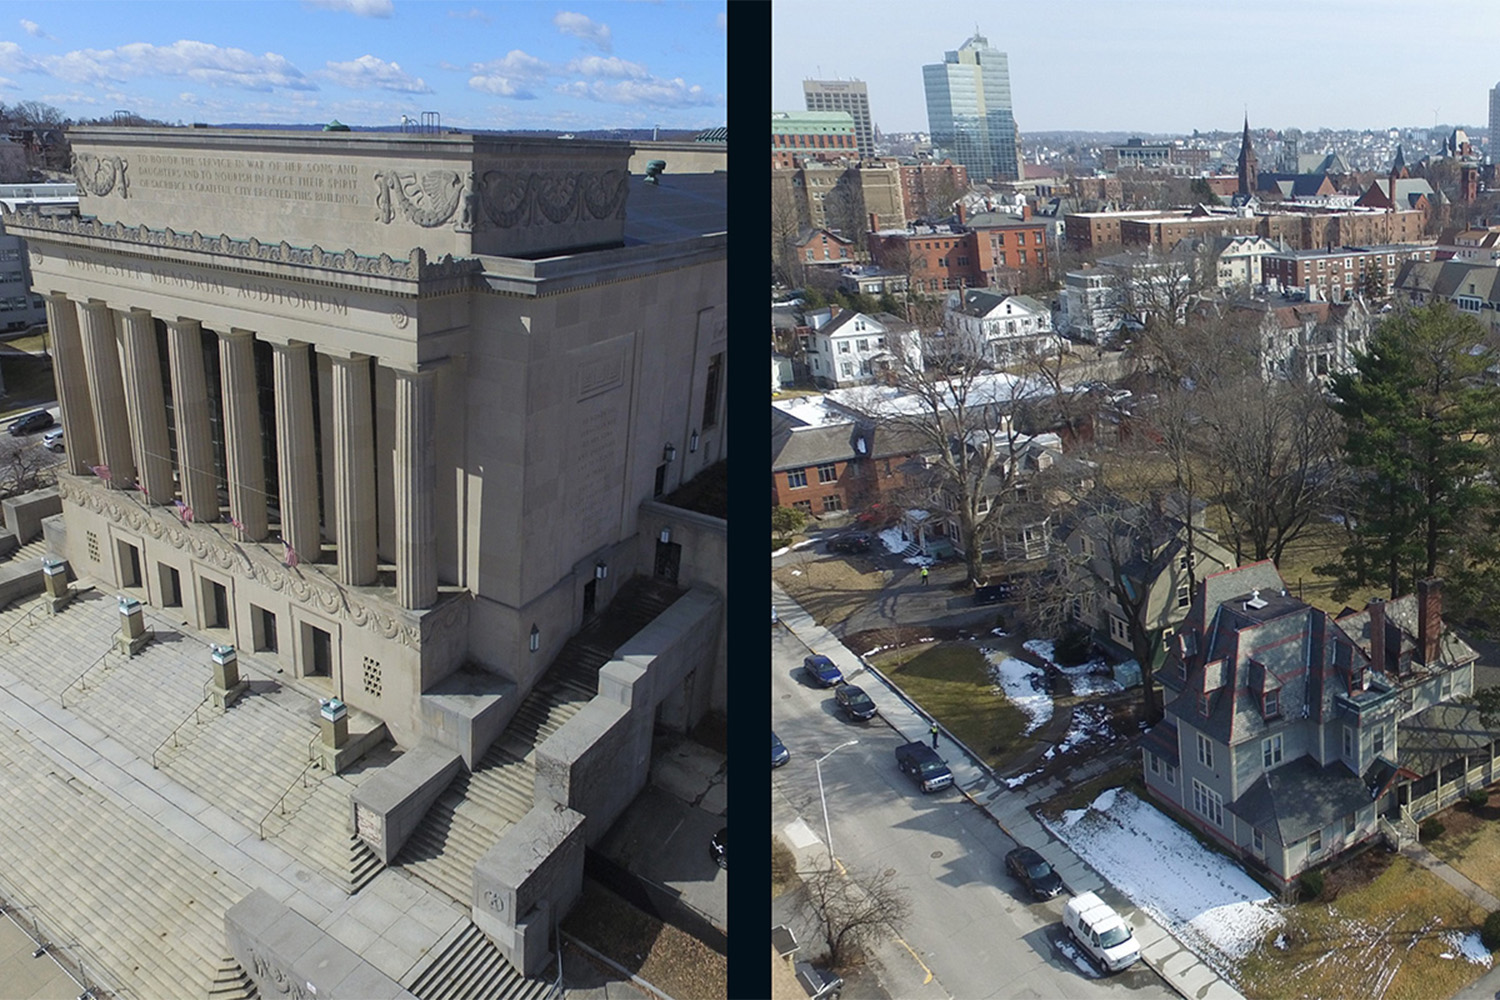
{"x":416,"y":489}
{"x":244,"y":460}
{"x":296,"y":452}
{"x":72,"y":385}
{"x":195,"y":445}
{"x":354,"y":468}
{"x":147,"y":406}
{"x":101,"y":359}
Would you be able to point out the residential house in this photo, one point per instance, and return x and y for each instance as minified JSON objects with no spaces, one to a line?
{"x":823,"y":460}
{"x":1004,"y":329}
{"x":1478,"y":246}
{"x":1089,"y":305}
{"x":1237,"y":260}
{"x":1309,"y":339}
{"x":1471,"y":288}
{"x":1152,"y":553}
{"x":849,"y":348}
{"x":1291,"y":735}
{"x":825,"y":248}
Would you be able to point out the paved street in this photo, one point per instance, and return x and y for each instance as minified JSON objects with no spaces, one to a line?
{"x":970,"y":925}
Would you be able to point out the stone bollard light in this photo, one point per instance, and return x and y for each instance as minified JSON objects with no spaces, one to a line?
{"x":227,"y":686}
{"x":133,"y":631}
{"x":55,"y":579}
{"x":333,"y":720}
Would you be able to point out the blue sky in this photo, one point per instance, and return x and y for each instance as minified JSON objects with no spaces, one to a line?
{"x":1162,"y":65}
{"x":562,"y":66}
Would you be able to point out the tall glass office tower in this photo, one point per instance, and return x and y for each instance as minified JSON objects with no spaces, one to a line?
{"x":969,"y":112}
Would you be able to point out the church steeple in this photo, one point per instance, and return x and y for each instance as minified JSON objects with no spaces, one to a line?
{"x":1248,"y":168}
{"x":1398,"y":165}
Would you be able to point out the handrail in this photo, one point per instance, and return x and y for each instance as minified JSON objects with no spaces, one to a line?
{"x":15,"y":624}
{"x":62,"y":695}
{"x":260,"y":827}
{"x":175,"y":729}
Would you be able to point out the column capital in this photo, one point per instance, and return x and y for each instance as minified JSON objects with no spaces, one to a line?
{"x":182,"y":323}
{"x":235,"y":333}
{"x":281,"y":341}
{"x":343,"y":354}
{"x":423,"y":371}
{"x":56,"y":297}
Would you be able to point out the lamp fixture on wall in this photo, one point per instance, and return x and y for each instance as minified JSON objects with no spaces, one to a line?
{"x":669,"y":452}
{"x":666,"y":535}
{"x":536,"y":638}
{"x":693,"y":441}
{"x":600,"y":571}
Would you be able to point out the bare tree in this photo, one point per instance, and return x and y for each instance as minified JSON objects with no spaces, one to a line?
{"x":854,"y":907}
{"x":25,"y":467}
{"x":787,"y":222}
{"x":844,"y":209}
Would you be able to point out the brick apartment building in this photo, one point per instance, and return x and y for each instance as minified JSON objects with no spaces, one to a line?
{"x":1339,"y":272}
{"x":823,"y":461}
{"x":799,"y":134}
{"x":990,"y":250}
{"x":1093,"y":232}
{"x":923,"y":184}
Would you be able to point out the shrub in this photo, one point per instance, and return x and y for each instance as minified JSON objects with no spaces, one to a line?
{"x":1490,"y":932}
{"x":1072,"y":647}
{"x":1312,"y":885}
{"x":1432,"y":828}
{"x":1478,"y":799}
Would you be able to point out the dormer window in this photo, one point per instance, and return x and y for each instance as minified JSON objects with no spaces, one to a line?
{"x":1356,"y":680}
{"x":1271,"y":707}
{"x":1205,"y":702}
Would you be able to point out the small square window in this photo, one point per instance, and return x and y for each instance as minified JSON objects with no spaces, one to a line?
{"x":828,"y":472}
{"x":1315,"y":843}
{"x":796,"y":478}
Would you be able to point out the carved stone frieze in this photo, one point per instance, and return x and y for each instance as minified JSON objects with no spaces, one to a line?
{"x":248,"y":561}
{"x":508,"y":200}
{"x":415,"y":268}
{"x":428,"y":201}
{"x":100,"y":175}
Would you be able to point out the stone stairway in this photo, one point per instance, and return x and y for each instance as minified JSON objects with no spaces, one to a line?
{"x":143,"y":912}
{"x":241,"y":759}
{"x":232,"y":982}
{"x":478,"y":807}
{"x":315,"y":824}
{"x":471,"y":968}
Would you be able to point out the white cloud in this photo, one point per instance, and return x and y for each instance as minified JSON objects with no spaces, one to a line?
{"x":198,"y":61}
{"x":33,"y":29}
{"x":584,"y":27}
{"x":723,"y":20}
{"x":511,"y":77}
{"x":472,"y":14}
{"x":653,"y":91}
{"x":611,"y":66}
{"x":363,"y":8}
{"x":368,"y":72}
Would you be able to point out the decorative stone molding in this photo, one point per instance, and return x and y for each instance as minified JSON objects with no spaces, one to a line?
{"x":415,"y":268}
{"x":249,"y":562}
{"x":270,"y":976}
{"x":508,"y":199}
{"x":428,"y":202}
{"x":98,"y":175}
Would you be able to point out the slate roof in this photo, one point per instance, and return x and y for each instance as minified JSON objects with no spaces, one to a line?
{"x":980,"y":303}
{"x":1447,"y":278}
{"x":794,"y":447}
{"x":1295,"y":185}
{"x":1293,"y":800}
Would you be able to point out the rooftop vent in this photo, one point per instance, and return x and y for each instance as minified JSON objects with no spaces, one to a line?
{"x":1255,"y":601}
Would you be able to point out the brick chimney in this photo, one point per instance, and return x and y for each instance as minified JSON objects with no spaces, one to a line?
{"x":1376,"y":608}
{"x":963,"y":215}
{"x":1025,"y":210}
{"x":834,"y":311}
{"x":1429,"y":619}
{"x":874,"y":223}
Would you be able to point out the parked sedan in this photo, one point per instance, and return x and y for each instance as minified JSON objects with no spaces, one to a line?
{"x":31,"y":423}
{"x":53,"y":440}
{"x":822,"y":670}
{"x":855,"y":703}
{"x":779,"y":753}
{"x":1034,"y":872}
{"x":850,"y":542}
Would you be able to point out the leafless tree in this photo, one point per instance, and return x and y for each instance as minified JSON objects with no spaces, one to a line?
{"x":844,"y":209}
{"x":25,"y":466}
{"x":787,"y":222}
{"x":853,"y":907}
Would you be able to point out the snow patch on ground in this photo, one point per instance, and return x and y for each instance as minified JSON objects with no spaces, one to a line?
{"x":1091,"y":677}
{"x":1468,"y":947}
{"x":893,"y":540}
{"x":1021,"y":779}
{"x":1209,"y":902}
{"x":1090,"y":725}
{"x":1022,"y":684}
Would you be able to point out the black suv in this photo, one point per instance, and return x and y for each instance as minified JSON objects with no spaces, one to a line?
{"x":1034,"y":872}
{"x":851,"y":542}
{"x":32,"y":422}
{"x":855,"y":703}
{"x":924,"y":765}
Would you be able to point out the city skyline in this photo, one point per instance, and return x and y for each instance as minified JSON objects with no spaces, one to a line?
{"x":367,"y":62}
{"x":1090,"y":65}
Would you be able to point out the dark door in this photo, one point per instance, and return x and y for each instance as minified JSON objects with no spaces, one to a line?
{"x":131,"y":570}
{"x":321,"y":647}
{"x":661,"y":481}
{"x":668,"y":556}
{"x":220,"y":607}
{"x":590,"y":591}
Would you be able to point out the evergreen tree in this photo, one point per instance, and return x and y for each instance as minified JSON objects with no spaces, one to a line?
{"x":1418,"y":423}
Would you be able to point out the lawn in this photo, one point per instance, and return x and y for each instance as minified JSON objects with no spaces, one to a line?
{"x":1381,"y":939}
{"x":659,"y":953}
{"x":1470,"y":843}
{"x":783,"y":868}
{"x":831,"y":589}
{"x":952,"y":682}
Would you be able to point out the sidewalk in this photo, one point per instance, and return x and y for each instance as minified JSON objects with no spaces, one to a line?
{"x":1183,"y":970}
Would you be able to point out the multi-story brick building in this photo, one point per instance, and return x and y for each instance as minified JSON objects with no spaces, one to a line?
{"x":1091,"y":232}
{"x":795,"y":135}
{"x":1012,"y":251}
{"x":1312,"y":226}
{"x":1339,"y":272}
{"x":938,"y":259}
{"x":825,"y":460}
{"x":925,"y":187}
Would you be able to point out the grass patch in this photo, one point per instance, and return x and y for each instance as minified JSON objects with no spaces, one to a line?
{"x":783,"y":869}
{"x":1471,"y":844}
{"x":659,"y":953}
{"x":831,"y":589}
{"x":1127,"y":775}
{"x":1380,"y":939}
{"x":28,"y":381}
{"x":951,"y":681}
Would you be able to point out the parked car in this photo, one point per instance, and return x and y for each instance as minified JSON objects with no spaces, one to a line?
{"x":719,"y":847}
{"x":820,"y":984}
{"x":31,"y":423}
{"x":995,"y":593}
{"x":926,"y":768}
{"x":53,"y":439}
{"x":1099,"y":929}
{"x":779,"y":753}
{"x":1034,"y":872}
{"x":855,"y":703}
{"x":822,"y":670}
{"x":850,"y":542}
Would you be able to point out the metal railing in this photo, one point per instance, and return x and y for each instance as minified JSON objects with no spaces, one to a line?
{"x":172,"y":736}
{"x":280,"y":804}
{"x":19,"y":622}
{"x":69,"y":957}
{"x":63,"y":695}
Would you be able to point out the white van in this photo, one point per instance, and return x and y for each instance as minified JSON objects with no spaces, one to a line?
{"x":1101,"y":931}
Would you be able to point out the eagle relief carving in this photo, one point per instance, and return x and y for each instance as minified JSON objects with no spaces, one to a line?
{"x":428,"y":201}
{"x":98,"y":175}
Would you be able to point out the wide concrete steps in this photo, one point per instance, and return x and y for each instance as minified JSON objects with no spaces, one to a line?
{"x":140,"y":699}
{"x":472,"y":968}
{"x":30,"y":648}
{"x":315,"y":827}
{"x":145,"y":912}
{"x":232,"y":982}
{"x":242,"y":759}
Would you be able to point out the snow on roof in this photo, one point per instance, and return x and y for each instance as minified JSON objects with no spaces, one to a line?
{"x":890,"y":401}
{"x":812,"y":410}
